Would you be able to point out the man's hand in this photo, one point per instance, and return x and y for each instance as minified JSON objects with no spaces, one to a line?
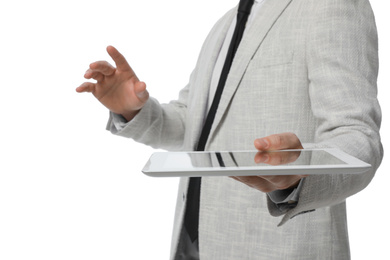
{"x":274,"y":142}
{"x":118,"y":88}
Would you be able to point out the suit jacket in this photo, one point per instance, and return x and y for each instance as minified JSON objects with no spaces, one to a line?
{"x":304,"y":66}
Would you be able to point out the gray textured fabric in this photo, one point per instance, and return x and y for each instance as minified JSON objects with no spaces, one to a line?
{"x":304,"y":66}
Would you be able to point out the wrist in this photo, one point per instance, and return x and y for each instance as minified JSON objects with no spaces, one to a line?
{"x":129,"y":115}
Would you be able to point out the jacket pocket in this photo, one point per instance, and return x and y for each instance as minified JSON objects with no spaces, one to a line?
{"x":271,"y":59}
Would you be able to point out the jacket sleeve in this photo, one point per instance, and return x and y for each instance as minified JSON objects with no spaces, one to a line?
{"x":164,"y":125}
{"x":157,"y":125}
{"x":342,"y":60}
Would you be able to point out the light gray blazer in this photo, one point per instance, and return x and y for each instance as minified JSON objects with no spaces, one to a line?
{"x":304,"y":66}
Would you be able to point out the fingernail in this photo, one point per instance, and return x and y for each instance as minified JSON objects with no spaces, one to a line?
{"x":143,"y":94}
{"x":263,"y":143}
{"x":262,"y":159}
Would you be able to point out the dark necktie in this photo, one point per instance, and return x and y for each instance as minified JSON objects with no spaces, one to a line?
{"x":191,"y":218}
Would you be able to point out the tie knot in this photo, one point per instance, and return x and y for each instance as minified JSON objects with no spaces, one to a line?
{"x":245,"y":6}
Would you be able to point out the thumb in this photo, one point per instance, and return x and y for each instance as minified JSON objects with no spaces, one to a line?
{"x":141,"y":92}
{"x":278,"y":142}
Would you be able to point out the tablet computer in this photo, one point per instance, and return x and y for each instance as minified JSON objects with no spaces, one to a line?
{"x":249,"y":163}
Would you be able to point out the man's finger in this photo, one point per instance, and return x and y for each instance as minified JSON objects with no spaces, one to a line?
{"x":278,"y":142}
{"x":86,"y":87}
{"x":277,"y":158}
{"x":102,"y":67}
{"x":119,"y":59}
{"x":283,"y":182}
{"x":90,"y":74}
{"x":256,"y":183}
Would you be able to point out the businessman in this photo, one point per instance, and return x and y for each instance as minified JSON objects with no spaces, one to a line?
{"x":302,"y":75}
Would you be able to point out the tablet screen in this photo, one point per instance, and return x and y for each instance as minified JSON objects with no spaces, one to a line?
{"x":248,"y":159}
{"x":230,"y":163}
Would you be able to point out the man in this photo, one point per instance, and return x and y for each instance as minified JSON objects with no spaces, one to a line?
{"x":304,"y":72}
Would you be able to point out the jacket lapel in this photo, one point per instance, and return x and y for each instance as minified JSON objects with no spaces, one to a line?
{"x":202,"y":83}
{"x":253,"y":37}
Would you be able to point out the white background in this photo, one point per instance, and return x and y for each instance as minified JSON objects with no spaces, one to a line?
{"x":71,"y":190}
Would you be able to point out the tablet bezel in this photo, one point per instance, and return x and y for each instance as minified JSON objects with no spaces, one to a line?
{"x":352,"y":166}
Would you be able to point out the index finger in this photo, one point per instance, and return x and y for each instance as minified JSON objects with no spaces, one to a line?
{"x":119,"y":59}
